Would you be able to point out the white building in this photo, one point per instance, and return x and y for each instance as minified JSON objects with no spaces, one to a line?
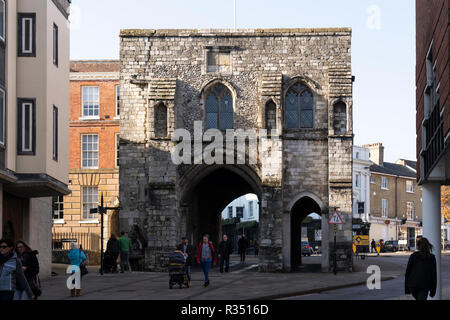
{"x":246,"y":207}
{"x":361,"y":183}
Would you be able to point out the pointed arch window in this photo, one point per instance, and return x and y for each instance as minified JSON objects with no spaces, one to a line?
{"x":271,"y":115}
{"x":299,"y":107}
{"x":219,"y":108}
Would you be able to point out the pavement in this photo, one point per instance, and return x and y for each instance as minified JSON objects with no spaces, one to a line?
{"x":243,"y":283}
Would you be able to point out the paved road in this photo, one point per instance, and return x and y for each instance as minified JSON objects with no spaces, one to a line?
{"x":390,"y":290}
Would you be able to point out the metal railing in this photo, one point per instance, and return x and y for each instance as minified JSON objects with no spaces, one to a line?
{"x":88,"y":241}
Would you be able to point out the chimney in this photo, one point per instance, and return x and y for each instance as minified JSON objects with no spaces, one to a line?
{"x":376,"y":153}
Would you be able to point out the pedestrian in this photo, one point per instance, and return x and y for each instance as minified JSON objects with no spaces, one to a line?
{"x":30,"y":266}
{"x":256,"y":248}
{"x":112,"y":250}
{"x":373,"y":246}
{"x":12,"y":277}
{"x":421,"y":275}
{"x":188,"y":251}
{"x":205,"y":256}
{"x":242,"y":247}
{"x":125,"y":248}
{"x":76,"y":258}
{"x":224,"y":250}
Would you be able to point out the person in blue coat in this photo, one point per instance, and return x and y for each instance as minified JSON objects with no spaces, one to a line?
{"x":76,"y":257}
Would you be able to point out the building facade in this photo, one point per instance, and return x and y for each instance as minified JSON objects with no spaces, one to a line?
{"x":433,"y":113}
{"x":396,"y":199}
{"x":295,"y":82}
{"x":361,"y":183}
{"x":34,"y":107}
{"x":94,"y":157}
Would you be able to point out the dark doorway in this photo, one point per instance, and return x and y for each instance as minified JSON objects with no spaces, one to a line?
{"x":13,"y":216}
{"x":209,"y":197}
{"x":302,"y":208}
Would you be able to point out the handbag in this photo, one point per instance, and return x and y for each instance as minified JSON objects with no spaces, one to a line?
{"x":35,"y":286}
{"x":83,"y":269}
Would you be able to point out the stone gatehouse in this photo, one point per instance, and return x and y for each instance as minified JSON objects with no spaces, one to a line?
{"x":295,"y":82}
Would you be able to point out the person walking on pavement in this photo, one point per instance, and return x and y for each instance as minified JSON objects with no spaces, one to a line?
{"x":125,"y":248}
{"x":12,"y":277}
{"x":242,"y":247}
{"x":112,"y":248}
{"x":225,"y":249}
{"x":256,"y":245}
{"x":206,"y":255}
{"x":30,"y":266}
{"x":188,"y":251}
{"x":373,"y":246}
{"x":76,"y":258}
{"x":421,"y":275}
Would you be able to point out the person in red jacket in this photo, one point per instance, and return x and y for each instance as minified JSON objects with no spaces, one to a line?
{"x":206,"y":255}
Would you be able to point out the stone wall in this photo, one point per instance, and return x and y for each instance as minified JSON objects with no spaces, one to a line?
{"x":170,"y":67}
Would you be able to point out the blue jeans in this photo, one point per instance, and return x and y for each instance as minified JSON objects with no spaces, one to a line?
{"x":206,"y":265}
{"x":188,"y":272}
{"x":124,"y":261}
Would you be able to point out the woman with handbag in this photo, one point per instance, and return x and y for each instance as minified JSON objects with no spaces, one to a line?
{"x":30,"y":266}
{"x":76,"y":257}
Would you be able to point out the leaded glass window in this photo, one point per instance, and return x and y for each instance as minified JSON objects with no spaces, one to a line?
{"x":299,"y":107}
{"x":219,"y":108}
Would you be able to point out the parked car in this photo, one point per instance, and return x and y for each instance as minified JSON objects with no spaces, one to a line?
{"x":306,"y":249}
{"x":390,"y":246}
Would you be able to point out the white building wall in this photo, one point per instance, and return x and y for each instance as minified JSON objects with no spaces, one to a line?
{"x":244,"y":202}
{"x":361,"y":193}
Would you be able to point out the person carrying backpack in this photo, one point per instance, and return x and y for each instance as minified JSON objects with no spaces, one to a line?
{"x":30,"y":266}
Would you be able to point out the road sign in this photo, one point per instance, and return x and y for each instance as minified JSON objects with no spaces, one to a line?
{"x":335,"y":219}
{"x":318,"y":235}
{"x":360,"y":240}
{"x":378,"y":247}
{"x":354,"y":248}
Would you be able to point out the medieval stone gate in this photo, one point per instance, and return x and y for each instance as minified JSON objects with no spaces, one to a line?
{"x":296,"y":83}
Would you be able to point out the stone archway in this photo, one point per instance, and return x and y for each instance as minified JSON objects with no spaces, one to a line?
{"x":207,"y":191}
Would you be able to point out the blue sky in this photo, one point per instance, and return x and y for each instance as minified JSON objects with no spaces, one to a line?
{"x":383,"y":47}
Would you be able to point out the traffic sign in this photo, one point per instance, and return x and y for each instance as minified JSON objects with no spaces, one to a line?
{"x":360,"y":240}
{"x":335,"y":219}
{"x":378,"y":247}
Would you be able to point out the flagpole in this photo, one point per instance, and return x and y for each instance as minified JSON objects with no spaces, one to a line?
{"x":235,"y":14}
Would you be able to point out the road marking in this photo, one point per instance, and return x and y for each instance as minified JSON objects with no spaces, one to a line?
{"x":248,"y":268}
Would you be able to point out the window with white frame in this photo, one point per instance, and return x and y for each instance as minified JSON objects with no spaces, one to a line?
{"x":58,"y":208}
{"x":90,"y":201}
{"x":2,"y":116}
{"x":26,"y":35}
{"x":55,"y":45}
{"x":117,"y":150}
{"x":2,"y":19}
{"x":384,"y":208}
{"x":89,"y":151}
{"x":384,"y":183}
{"x":250,"y":208}
{"x":90,"y":101}
{"x":117,"y":101}
{"x":230,"y":212}
{"x":409,"y":186}
{"x":27,"y":127}
{"x":55,"y":133}
{"x":358,"y":180}
{"x":410,"y":210}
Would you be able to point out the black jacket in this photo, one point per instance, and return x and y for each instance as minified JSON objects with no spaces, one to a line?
{"x":30,"y":261}
{"x":189,"y":251}
{"x":421,"y":273}
{"x":225,"y":248}
{"x":242,"y":245}
{"x":112,"y":246}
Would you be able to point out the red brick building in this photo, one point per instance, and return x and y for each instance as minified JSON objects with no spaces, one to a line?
{"x":433,"y":113}
{"x":93,"y":160}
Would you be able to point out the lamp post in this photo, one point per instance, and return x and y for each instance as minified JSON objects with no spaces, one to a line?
{"x":102,"y":211}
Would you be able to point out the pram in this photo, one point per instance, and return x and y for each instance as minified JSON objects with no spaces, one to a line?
{"x":177,"y":270}
{"x":109,"y":263}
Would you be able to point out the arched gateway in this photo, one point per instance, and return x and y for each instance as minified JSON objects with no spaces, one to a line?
{"x":208,"y":83}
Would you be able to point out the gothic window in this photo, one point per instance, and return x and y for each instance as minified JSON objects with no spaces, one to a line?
{"x":271,"y":116}
{"x":219,"y":108}
{"x":160,"y":120}
{"x":340,"y":118}
{"x":299,"y":107}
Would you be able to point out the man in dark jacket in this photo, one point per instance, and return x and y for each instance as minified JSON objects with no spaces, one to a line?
{"x":188,"y":251}
{"x":373,"y":246}
{"x":421,"y":274}
{"x":225,"y":249}
{"x":242,"y":247}
{"x":112,"y":249}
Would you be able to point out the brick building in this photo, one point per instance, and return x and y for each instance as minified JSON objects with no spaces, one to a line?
{"x":433,"y":113}
{"x":395,"y":199}
{"x":93,"y":161}
{"x":296,"y":82}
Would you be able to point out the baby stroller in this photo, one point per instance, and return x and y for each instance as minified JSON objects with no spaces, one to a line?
{"x":177,"y":270}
